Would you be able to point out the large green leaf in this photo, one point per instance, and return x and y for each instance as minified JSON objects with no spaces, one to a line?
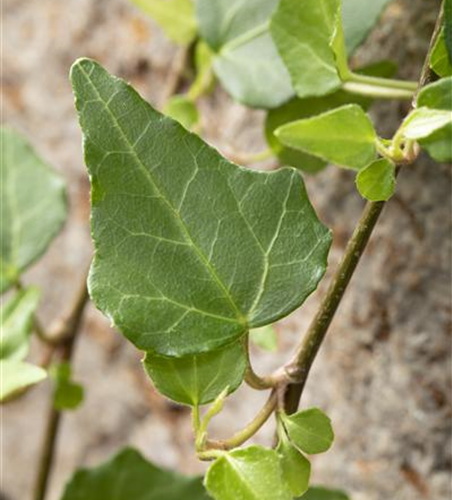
{"x":304,"y":33}
{"x":128,"y":476}
{"x":16,"y":376}
{"x":16,"y":323}
{"x":190,"y":250}
{"x":33,"y":207}
{"x":295,"y":466}
{"x":176,"y":17}
{"x":376,"y":182}
{"x":197,"y":380}
{"x":358,"y":18}
{"x":309,"y":430}
{"x":321,"y":493}
{"x":438,"y":95}
{"x":344,"y":136}
{"x":246,"y":61}
{"x":310,"y":106}
{"x":253,"y":473}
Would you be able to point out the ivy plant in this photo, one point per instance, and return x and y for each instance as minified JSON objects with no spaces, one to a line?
{"x":195,"y":256}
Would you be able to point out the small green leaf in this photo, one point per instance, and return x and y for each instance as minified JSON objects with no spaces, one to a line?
{"x":16,"y":323}
{"x":309,"y":430}
{"x":246,"y":61}
{"x":321,"y":493}
{"x":68,"y":395}
{"x":376,"y":182}
{"x":423,"y":122}
{"x":182,"y":109}
{"x":252,"y":473}
{"x":359,"y":17}
{"x":439,"y":59}
{"x":198,"y":380}
{"x":296,"y":468}
{"x":344,"y":136}
{"x":303,"y":108}
{"x":176,"y":17}
{"x":16,"y":376}
{"x":33,"y":207}
{"x":265,"y":337}
{"x":201,"y":250}
{"x":128,"y":476}
{"x":304,"y":33}
{"x":438,"y":95}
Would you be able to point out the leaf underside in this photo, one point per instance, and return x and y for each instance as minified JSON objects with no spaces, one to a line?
{"x":190,"y":250}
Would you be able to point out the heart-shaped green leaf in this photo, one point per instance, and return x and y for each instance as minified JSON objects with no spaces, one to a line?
{"x":344,"y":136}
{"x":376,"y":182}
{"x":253,"y":473}
{"x":296,"y":468}
{"x":176,"y":17}
{"x":191,"y":251}
{"x":33,"y":207}
{"x":246,"y":61}
{"x":16,"y":323}
{"x":16,"y":376}
{"x":307,"y":35}
{"x":309,"y":430}
{"x":128,"y":476}
{"x":198,"y":380}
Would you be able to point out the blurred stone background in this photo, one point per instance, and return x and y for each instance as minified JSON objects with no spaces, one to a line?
{"x":384,"y":374}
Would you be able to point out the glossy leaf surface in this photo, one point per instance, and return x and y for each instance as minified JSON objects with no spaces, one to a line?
{"x":129,"y":476}
{"x":304,"y":33}
{"x":344,"y":136}
{"x":198,"y":380}
{"x":438,"y":95}
{"x":33,"y":207}
{"x":311,"y":106}
{"x":296,"y":468}
{"x":246,"y":61}
{"x":309,"y":430}
{"x":321,"y":493}
{"x":16,"y":323}
{"x":252,"y":473}
{"x":190,"y":250}
{"x":176,"y":17}
{"x":376,"y":182}
{"x":15,"y":376}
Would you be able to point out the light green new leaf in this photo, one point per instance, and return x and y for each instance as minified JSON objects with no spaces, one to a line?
{"x":358,"y":18}
{"x":246,"y":61}
{"x":296,"y":468}
{"x":423,"y":122}
{"x":33,"y":207}
{"x":16,"y":376}
{"x":304,"y":33}
{"x":303,"y":108}
{"x":252,"y":473}
{"x":344,"y":136}
{"x":16,"y":323}
{"x":265,"y":337}
{"x":176,"y":17}
{"x":439,"y":58}
{"x":376,"y":182}
{"x":321,"y":493}
{"x":309,"y":430}
{"x":198,"y":380}
{"x":182,"y":109}
{"x":438,"y":95}
{"x":191,"y":251}
{"x":128,"y":476}
{"x":68,"y":395}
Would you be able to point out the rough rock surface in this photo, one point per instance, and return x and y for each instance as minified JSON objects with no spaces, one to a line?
{"x":384,"y":373}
